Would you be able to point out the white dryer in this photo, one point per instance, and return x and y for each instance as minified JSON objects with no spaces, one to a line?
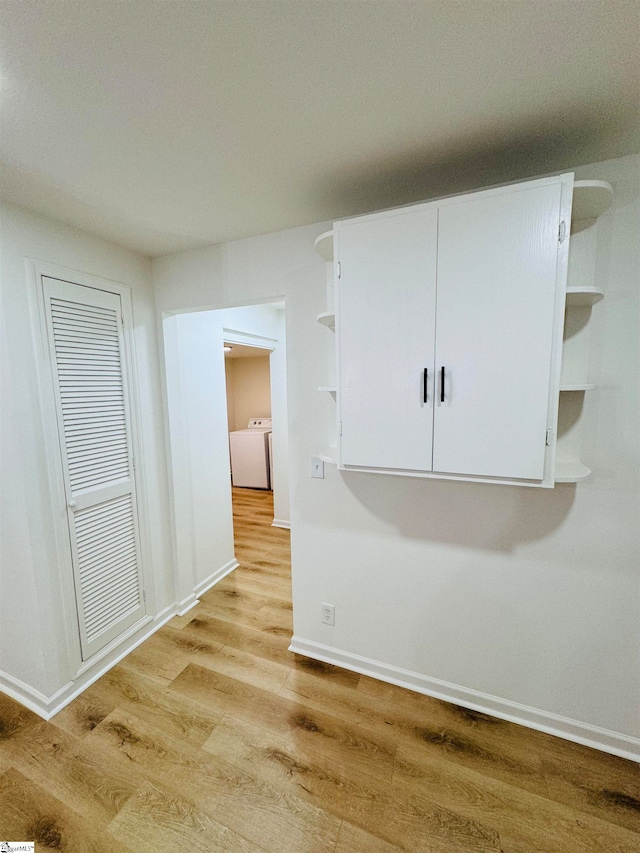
{"x":250,"y":455}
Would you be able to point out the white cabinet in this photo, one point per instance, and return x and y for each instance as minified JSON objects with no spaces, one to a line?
{"x":449,"y":324}
{"x":386,"y":333}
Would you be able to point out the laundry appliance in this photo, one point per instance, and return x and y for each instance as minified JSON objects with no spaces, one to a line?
{"x":250,"y":455}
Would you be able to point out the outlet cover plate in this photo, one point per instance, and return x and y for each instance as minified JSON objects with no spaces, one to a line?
{"x":329,"y":614}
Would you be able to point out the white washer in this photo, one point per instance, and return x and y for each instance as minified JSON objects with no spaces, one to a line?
{"x":250,"y":455}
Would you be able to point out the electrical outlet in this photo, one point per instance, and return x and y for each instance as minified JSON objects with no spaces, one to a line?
{"x":317,"y":468}
{"x":329,"y":614}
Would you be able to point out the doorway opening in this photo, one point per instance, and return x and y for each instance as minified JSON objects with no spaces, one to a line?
{"x":248,"y":393}
{"x":210,"y":397}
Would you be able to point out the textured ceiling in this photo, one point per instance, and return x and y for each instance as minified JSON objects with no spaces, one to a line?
{"x":169,"y":125}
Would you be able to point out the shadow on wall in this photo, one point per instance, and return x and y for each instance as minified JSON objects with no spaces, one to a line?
{"x":467,"y":515}
{"x":546,"y":144}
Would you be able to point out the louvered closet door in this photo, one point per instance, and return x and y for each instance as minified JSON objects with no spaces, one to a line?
{"x":94,"y":424}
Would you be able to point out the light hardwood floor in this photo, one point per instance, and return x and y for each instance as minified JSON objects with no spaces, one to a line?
{"x":213,"y":737}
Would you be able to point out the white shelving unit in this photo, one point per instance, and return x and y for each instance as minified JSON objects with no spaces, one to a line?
{"x":568,"y":471}
{"x":328,"y":319}
{"x":324,"y":247}
{"x":590,"y":200}
{"x":580,"y":296}
{"x":579,"y":386}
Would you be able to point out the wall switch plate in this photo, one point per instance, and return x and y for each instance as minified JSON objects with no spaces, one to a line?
{"x":317,"y":468}
{"x":329,"y":614}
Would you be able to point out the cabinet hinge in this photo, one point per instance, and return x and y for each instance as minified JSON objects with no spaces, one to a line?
{"x":339,"y":270}
{"x":340,"y":427}
{"x":144,"y":595}
{"x":548,"y":438}
{"x":562,"y":232}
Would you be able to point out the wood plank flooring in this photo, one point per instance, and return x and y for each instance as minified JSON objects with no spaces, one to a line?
{"x":212,"y":736}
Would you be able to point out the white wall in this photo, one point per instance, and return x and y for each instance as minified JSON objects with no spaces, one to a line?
{"x":248,"y":389}
{"x":34,"y":654}
{"x":524,"y":601}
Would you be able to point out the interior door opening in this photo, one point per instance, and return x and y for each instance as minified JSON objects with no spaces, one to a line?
{"x":209,"y":396}
{"x":248,"y":395}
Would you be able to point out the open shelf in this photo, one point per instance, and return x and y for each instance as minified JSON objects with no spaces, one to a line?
{"x":578,"y":386}
{"x":331,"y":389}
{"x":328,"y":319}
{"x":591,"y":199}
{"x":330,"y":455}
{"x":324,"y":245}
{"x":570,"y":471}
{"x":578,"y":296}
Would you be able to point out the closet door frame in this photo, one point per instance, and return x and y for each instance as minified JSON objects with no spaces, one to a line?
{"x":57,"y":582}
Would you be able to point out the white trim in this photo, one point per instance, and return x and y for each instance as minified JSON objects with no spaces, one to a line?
{"x":55,"y":580}
{"x":279,"y":522}
{"x":175,"y":433}
{"x":534,"y":718}
{"x":113,"y":646}
{"x":248,"y":340}
{"x":24,"y":694}
{"x":187,"y":604}
{"x":47,"y":707}
{"x":190,"y":601}
{"x":216,"y":577}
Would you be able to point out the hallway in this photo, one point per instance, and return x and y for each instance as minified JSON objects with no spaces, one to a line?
{"x":213,"y":736}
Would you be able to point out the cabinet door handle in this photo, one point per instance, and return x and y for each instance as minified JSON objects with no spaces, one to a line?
{"x":442,"y":384}
{"x":425,"y":379}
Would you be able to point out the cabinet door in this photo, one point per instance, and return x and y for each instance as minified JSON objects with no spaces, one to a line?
{"x":94,"y":425}
{"x":497,"y":256}
{"x":385,"y":326}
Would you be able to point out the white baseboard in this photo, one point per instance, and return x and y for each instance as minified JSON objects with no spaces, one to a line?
{"x":26,"y":695}
{"x":543,"y":721}
{"x":186,"y":604}
{"x":215,"y":578}
{"x":279,"y":522}
{"x":90,"y":671}
{"x":47,"y":707}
